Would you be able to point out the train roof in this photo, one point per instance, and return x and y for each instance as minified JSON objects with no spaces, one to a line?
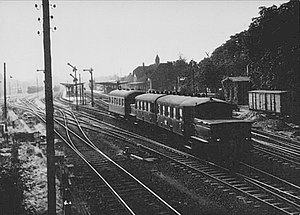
{"x":194,"y":101}
{"x":149,"y":97}
{"x":172,"y":99}
{"x":188,"y":101}
{"x":124,"y":93}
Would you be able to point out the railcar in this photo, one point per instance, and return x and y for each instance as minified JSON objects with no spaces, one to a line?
{"x":205,"y":124}
{"x":171,"y":116}
{"x":145,"y":108}
{"x":119,"y":101}
{"x":270,"y":101}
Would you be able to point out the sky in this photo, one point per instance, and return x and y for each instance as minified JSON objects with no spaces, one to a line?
{"x":114,"y":37}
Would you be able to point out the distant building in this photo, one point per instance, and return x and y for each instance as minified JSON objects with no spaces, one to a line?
{"x":236,"y":89}
{"x":142,"y":76}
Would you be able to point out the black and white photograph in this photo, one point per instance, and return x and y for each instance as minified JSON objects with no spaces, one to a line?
{"x":148,"y":107}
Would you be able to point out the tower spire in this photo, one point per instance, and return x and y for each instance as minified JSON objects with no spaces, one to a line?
{"x":157,"y":60}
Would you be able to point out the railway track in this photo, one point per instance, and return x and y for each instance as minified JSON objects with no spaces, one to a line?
{"x":276,"y":155}
{"x":253,"y":186}
{"x":279,"y":146}
{"x":138,"y":197}
{"x":256,"y":184}
{"x":128,"y":194}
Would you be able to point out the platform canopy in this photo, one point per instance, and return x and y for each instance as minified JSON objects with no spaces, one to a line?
{"x":69,"y":85}
{"x":112,"y":82}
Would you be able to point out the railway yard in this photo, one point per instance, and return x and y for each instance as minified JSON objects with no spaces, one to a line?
{"x":109,"y":165}
{"x":150,"y":108}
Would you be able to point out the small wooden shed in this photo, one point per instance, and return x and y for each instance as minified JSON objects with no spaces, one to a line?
{"x":236,"y":89}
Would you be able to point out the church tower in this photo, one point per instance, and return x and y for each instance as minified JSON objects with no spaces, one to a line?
{"x":157,"y":60}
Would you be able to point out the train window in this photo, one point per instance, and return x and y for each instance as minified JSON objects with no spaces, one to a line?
{"x":109,"y":100}
{"x":149,"y":106}
{"x":169,"y":112}
{"x":180,"y":114}
{"x":115,"y":99}
{"x":123,"y":102}
{"x":163,"y":110}
{"x":174,"y":113}
{"x":158,"y":109}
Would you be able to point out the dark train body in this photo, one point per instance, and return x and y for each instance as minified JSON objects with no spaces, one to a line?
{"x":204,"y":124}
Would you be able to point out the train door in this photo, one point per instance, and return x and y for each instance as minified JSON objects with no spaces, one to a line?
{"x":188,"y":123}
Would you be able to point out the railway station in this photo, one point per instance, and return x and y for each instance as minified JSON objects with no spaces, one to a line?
{"x":110,"y":122}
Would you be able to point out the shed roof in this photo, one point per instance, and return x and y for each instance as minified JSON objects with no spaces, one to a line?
{"x":124,"y":93}
{"x":237,"y":79}
{"x":268,"y":91}
{"x":149,"y":97}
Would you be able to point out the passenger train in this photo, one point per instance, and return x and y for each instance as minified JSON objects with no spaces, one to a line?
{"x":205,"y":125}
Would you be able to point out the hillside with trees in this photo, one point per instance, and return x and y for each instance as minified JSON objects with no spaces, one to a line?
{"x":268,"y":52}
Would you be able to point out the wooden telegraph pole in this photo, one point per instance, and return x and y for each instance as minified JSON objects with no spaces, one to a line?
{"x":49,"y":111}
{"x":5,"y":106}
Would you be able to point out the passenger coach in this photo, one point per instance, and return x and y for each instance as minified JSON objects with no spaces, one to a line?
{"x":145,"y":108}
{"x":170,"y":115}
{"x":120,"y":101}
{"x":205,"y":124}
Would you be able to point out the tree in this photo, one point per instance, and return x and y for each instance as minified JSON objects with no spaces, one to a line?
{"x":208,"y":76}
{"x":273,"y":44}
